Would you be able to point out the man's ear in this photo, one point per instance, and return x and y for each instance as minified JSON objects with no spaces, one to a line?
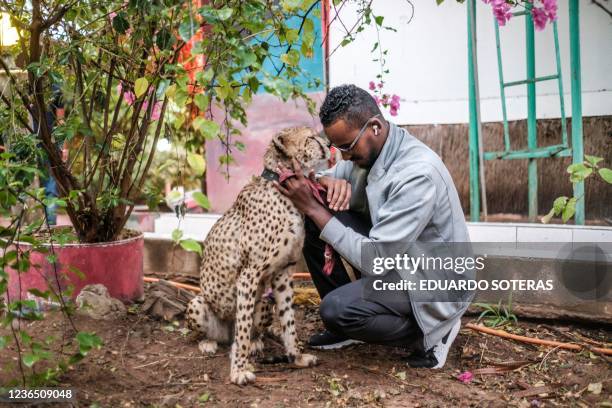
{"x":377,"y":125}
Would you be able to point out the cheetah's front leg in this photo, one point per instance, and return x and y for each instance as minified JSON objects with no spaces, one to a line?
{"x":283,"y":293}
{"x":246,"y":297}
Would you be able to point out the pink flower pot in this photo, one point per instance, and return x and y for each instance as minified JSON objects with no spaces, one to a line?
{"x":117,"y":265}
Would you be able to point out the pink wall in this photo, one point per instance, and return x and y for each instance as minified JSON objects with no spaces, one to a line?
{"x":267,"y":115}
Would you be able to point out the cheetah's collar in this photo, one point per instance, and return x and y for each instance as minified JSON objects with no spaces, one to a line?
{"x":269,"y":175}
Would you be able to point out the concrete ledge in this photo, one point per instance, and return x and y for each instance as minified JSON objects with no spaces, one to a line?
{"x":162,"y":259}
{"x":526,"y":232}
{"x":165,"y":260}
{"x":581,"y":290}
{"x":197,"y":226}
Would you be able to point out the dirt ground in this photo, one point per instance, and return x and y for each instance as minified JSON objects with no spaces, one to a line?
{"x":148,"y":362}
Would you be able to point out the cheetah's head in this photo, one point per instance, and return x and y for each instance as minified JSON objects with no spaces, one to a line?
{"x":301,"y":143}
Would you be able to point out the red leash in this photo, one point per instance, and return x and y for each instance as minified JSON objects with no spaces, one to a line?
{"x":317,"y":191}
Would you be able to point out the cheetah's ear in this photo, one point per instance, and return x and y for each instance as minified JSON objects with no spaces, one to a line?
{"x":323,"y":144}
{"x":279,"y":142}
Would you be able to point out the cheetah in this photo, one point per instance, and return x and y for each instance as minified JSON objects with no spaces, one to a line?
{"x":254,"y":246}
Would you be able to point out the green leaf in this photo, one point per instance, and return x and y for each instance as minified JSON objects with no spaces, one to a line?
{"x":120,"y":24}
{"x":4,"y":341}
{"x":171,"y":91}
{"x":225,"y":13}
{"x":187,"y":29}
{"x":191,"y":245}
{"x":30,"y":359}
{"x":291,"y":58}
{"x":25,"y":338}
{"x":198,"y":48}
{"x":569,"y":210}
{"x":247,"y":58}
{"x":606,"y":174}
{"x":593,"y":160}
{"x":559,"y":204}
{"x":164,"y":39}
{"x":197,"y":163}
{"x":254,"y":84}
{"x":578,"y":172}
{"x":292,"y":35}
{"x":290,"y":5}
{"x":204,"y":397}
{"x":140,"y":86}
{"x":308,"y":32}
{"x":87,"y":342}
{"x":201,"y":199}
{"x":208,"y":75}
{"x":39,"y":293}
{"x":201,"y":101}
{"x":379,"y":20}
{"x":438,"y":2}
{"x":346,"y":42}
{"x":77,"y":272}
{"x":177,"y":234}
{"x":208,"y":128}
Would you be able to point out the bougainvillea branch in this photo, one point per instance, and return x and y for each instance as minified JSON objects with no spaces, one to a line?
{"x":542,"y":11}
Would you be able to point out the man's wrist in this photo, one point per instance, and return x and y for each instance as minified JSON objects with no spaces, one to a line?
{"x":319,"y":215}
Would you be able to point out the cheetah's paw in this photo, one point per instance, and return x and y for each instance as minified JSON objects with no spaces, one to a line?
{"x":242,"y":377}
{"x":257,"y":346}
{"x":207,"y":347}
{"x":305,"y":360}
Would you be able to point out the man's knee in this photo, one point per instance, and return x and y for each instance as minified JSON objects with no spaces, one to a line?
{"x":340,"y":316}
{"x":331,"y":309}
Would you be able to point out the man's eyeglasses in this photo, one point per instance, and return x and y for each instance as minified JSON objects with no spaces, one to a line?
{"x":348,"y":147}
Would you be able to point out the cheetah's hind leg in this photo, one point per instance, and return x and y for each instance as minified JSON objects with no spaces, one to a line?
{"x":201,"y":319}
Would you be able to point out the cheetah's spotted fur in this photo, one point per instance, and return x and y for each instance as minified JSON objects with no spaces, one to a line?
{"x":253,"y":246}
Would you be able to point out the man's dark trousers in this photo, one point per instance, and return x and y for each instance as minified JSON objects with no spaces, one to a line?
{"x":353,"y":309}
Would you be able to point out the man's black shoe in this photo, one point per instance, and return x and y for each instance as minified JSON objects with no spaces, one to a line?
{"x":329,"y":341}
{"x":436,"y":356}
{"x":420,"y":359}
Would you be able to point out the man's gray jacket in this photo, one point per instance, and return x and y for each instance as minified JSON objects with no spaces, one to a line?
{"x":410,"y":197}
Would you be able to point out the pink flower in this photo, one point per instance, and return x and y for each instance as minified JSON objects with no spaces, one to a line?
{"x":465,"y":377}
{"x":128,"y":96}
{"x":393,"y":111}
{"x":156,"y":114}
{"x":372,"y":86}
{"x":501,"y":10}
{"x":539,"y":18}
{"x":550,"y":6}
{"x":112,"y":16}
{"x":377,"y":99}
{"x":380,"y":85}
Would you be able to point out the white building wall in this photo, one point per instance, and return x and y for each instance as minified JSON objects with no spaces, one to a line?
{"x":427,"y":60}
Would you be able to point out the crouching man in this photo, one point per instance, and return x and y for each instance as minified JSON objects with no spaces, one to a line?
{"x":389,"y":187}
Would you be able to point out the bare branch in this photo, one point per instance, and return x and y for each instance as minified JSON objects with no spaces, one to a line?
{"x":601,"y":6}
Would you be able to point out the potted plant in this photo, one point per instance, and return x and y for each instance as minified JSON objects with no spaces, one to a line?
{"x":119,"y":67}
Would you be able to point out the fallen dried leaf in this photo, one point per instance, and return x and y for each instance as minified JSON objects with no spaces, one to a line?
{"x":595,"y":388}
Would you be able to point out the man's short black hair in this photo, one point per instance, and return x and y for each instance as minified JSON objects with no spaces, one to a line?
{"x":350,"y":103}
